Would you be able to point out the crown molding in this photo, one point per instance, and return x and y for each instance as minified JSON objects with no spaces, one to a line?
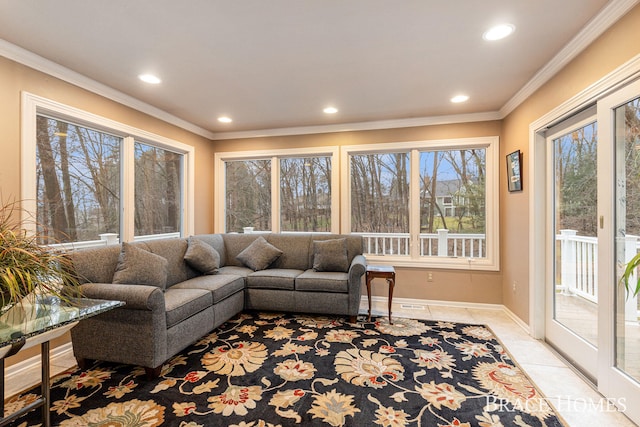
{"x":29,"y":59}
{"x":362,"y":126}
{"x":610,"y":14}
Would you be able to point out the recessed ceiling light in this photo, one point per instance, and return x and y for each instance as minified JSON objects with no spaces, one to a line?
{"x":225,"y":119}
{"x":330,"y":110}
{"x":459,"y":98}
{"x":149,"y":78}
{"x":498,"y":32}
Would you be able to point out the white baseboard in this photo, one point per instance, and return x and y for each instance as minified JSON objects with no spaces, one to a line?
{"x":26,"y":374}
{"x":517,"y":320}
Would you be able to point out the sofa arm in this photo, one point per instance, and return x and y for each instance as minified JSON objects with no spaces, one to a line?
{"x":137,"y":297}
{"x":357,"y":269}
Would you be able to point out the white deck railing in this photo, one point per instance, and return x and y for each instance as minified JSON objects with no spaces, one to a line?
{"x":578,"y":267}
{"x":442,"y":243}
{"x":110,"y":239}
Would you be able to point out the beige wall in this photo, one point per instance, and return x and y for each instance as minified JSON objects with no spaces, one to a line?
{"x":447,"y":285}
{"x":15,"y":78}
{"x":615,"y":47}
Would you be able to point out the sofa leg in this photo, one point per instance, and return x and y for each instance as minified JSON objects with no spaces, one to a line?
{"x":353,"y":319}
{"x":83,"y":363}
{"x":153,"y":373}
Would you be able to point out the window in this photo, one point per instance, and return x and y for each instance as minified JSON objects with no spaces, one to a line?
{"x":77,"y":181}
{"x":380,"y":200}
{"x":248,"y":195}
{"x":449,"y":229}
{"x":305,"y":194}
{"x":279,"y":191}
{"x":425,"y":203}
{"x":158,"y":191}
{"x":82,"y":172}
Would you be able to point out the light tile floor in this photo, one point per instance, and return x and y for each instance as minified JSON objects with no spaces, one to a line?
{"x":565,"y":389}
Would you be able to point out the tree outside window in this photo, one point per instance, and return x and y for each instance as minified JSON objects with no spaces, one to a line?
{"x":78,"y":181}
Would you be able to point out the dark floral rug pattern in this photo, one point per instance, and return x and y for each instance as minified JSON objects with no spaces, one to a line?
{"x":277,"y":370}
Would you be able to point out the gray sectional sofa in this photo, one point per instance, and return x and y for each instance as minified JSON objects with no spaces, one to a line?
{"x":178,"y":290}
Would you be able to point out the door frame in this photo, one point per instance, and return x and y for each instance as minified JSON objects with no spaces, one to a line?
{"x":537,"y":181}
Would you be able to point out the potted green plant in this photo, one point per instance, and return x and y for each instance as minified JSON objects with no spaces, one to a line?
{"x":28,"y":269}
{"x":629,"y":270}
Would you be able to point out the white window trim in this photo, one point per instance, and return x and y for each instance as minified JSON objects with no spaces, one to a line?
{"x":273,"y":155}
{"x":32,"y":105}
{"x":492,"y":260}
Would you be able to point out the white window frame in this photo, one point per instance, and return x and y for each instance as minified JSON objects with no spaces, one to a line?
{"x":33,"y":105}
{"x":274,"y":156}
{"x":492,"y":260}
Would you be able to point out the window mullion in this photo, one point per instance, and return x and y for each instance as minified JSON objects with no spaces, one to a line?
{"x":275,"y":195}
{"x":127,"y":189}
{"x":414,"y":204}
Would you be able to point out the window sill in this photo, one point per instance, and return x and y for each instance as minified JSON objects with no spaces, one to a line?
{"x":446,"y":263}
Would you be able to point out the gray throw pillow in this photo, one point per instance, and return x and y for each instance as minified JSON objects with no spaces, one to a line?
{"x":259,"y":254}
{"x":202,"y":256}
{"x":330,"y":255}
{"x":139,"y":267}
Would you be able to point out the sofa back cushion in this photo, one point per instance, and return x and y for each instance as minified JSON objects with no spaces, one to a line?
{"x":354,"y":245}
{"x":173,"y":251}
{"x":216,"y":241}
{"x":295,"y":248}
{"x":96,"y":265}
{"x":330,"y":255}
{"x":138,"y":266}
{"x":202,"y":256}
{"x":234,"y":244}
{"x":259,"y":255}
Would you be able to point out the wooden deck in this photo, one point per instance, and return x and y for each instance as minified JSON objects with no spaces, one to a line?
{"x":581,"y":316}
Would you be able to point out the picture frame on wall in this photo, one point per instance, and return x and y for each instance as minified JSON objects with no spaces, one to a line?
{"x":514,"y":171}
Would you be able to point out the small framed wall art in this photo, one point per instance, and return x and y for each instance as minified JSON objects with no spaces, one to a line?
{"x":514,"y":171}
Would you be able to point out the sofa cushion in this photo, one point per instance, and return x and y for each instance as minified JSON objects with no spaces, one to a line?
{"x":234,"y":243}
{"x":173,"y":250}
{"x":259,"y":254}
{"x":317,"y":281}
{"x":180,"y":304}
{"x":330,"y":255}
{"x":221,"y":285}
{"x":273,"y":278}
{"x":295,"y":248}
{"x":216,"y":242}
{"x":96,"y":265}
{"x":202,"y":256}
{"x":236,"y":271}
{"x":139,"y":267}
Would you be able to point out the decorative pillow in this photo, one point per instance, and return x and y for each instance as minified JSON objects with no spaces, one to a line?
{"x":139,"y":267}
{"x":202,"y":256}
{"x":330,"y":255}
{"x":259,"y":254}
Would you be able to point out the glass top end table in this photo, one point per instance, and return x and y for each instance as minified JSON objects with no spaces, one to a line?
{"x":38,"y":322}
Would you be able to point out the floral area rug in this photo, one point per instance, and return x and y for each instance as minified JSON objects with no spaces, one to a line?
{"x":271,"y":369}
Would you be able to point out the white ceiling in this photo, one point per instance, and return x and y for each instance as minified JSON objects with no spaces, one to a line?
{"x":276,"y":64}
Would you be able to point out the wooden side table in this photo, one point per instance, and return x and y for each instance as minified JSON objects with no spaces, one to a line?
{"x":381,"y":272}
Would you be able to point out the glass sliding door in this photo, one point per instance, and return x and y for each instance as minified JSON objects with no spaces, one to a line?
{"x":592,"y":230}
{"x":619,"y":364}
{"x":627,"y":146}
{"x":572,"y":309}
